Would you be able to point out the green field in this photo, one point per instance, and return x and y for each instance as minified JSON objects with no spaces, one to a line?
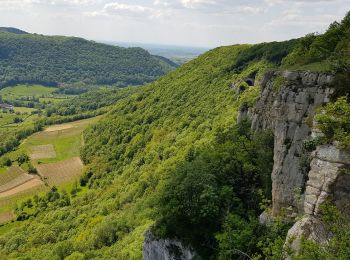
{"x":26,"y":90}
{"x":32,"y":95}
{"x":65,"y":138}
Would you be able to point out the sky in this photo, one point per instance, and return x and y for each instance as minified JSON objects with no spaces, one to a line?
{"x":203,"y":23}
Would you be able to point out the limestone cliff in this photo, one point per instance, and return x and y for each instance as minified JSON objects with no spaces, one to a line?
{"x":301,"y":182}
{"x":287,"y":105}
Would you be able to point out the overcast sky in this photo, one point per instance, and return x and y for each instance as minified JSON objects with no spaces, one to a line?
{"x":177,"y":22}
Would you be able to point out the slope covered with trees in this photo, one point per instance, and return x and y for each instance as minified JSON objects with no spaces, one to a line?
{"x":171,"y":158}
{"x":51,"y":60}
{"x":164,"y":134}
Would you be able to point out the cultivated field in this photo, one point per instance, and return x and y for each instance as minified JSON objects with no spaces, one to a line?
{"x":45,"y":151}
{"x":11,"y":199}
{"x":26,"y":186}
{"x":61,"y":172}
{"x":6,"y":216}
{"x":11,"y":174}
{"x":58,"y":128}
{"x":16,"y":180}
{"x":65,"y":140}
{"x":54,"y":152}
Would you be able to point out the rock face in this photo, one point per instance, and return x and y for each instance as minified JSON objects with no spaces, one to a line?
{"x":308,"y":227}
{"x":165,"y":249}
{"x":286,"y":105}
{"x":329,"y":180}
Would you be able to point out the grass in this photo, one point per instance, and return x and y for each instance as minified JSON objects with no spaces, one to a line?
{"x":278,"y":82}
{"x":27,"y":110}
{"x":66,"y":142}
{"x":9,"y":226}
{"x":26,"y":90}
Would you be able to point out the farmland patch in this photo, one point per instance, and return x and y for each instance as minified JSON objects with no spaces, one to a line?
{"x":58,"y":128}
{"x":6,"y":216}
{"x":12,"y":173}
{"x":61,"y":172}
{"x":26,"y":186}
{"x":45,"y":151}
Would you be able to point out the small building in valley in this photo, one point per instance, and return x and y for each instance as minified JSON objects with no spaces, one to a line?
{"x":6,"y":106}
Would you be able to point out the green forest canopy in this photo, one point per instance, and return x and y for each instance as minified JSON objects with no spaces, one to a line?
{"x":51,"y":60}
{"x":135,"y":149}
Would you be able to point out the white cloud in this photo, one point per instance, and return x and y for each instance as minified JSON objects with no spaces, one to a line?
{"x":274,"y":2}
{"x":121,"y":9}
{"x":197,"y":3}
{"x":125,"y":8}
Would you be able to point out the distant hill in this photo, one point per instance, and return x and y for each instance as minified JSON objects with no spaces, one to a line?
{"x":177,"y":54}
{"x":12,"y":30}
{"x":53,"y":60}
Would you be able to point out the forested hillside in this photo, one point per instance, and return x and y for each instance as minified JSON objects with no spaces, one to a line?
{"x":51,"y":60}
{"x":170,"y":157}
{"x":144,"y":149}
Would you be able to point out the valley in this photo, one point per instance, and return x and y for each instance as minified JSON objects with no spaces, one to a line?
{"x":242,"y":152}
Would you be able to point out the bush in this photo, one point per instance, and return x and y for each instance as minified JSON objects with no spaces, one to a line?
{"x":6,"y":162}
{"x":333,"y":121}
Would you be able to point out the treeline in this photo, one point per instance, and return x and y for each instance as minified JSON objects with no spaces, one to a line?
{"x":89,"y":102}
{"x":51,"y":60}
{"x":11,"y":138}
{"x":273,"y":52}
{"x":331,"y":49}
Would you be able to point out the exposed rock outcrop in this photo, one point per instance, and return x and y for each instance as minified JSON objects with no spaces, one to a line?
{"x":286,"y":105}
{"x":165,"y":249}
{"x":308,"y":227}
{"x":329,"y":180}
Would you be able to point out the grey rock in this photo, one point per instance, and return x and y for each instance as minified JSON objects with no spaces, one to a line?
{"x":308,"y":227}
{"x":165,"y":249}
{"x":285,"y":112}
{"x":328,"y":180}
{"x":265,"y":218}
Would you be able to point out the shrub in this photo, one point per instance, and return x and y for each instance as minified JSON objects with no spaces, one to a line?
{"x":333,"y":120}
